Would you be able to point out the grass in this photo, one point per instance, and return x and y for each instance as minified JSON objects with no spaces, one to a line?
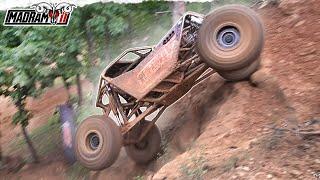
{"x":46,"y":140}
{"x":77,"y":171}
{"x":194,"y":168}
{"x":233,"y":161}
{"x":139,"y":177}
{"x":230,"y":163}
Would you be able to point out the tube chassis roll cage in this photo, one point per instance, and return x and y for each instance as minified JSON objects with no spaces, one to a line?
{"x":156,"y":78}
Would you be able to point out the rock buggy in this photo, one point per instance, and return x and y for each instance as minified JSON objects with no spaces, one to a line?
{"x":146,"y":80}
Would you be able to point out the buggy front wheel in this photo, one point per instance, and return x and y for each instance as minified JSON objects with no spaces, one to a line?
{"x":98,"y":142}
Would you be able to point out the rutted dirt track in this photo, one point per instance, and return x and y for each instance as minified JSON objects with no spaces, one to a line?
{"x":224,"y":130}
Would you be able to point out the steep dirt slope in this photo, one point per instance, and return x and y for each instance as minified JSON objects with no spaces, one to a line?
{"x":241,"y":127}
{"x":224,"y":130}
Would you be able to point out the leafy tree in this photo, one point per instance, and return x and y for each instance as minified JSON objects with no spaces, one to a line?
{"x":103,"y":22}
{"x":32,"y":57}
{"x":106,"y":21}
{"x":65,"y":48}
{"x":22,"y":72}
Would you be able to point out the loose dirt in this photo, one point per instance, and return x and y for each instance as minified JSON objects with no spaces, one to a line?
{"x":223,"y":130}
{"x":242,"y":127}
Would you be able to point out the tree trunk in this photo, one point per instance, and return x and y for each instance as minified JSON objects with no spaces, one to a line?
{"x":30,"y":145}
{"x":79,"y":89}
{"x":66,"y":86}
{"x":90,"y":42}
{"x":177,"y":10}
{"x":106,"y":52}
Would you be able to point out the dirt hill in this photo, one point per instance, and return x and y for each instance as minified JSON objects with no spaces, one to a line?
{"x":240,"y":130}
{"x":243,"y":130}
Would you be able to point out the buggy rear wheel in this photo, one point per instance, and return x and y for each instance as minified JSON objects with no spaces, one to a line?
{"x":241,"y":74}
{"x":147,"y":149}
{"x":230,"y":38}
{"x":98,"y":142}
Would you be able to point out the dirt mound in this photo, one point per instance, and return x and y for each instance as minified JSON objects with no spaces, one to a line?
{"x":223,"y":130}
{"x":240,"y":130}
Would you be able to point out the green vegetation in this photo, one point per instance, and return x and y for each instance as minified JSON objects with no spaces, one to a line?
{"x":230,"y":163}
{"x":233,"y":161}
{"x":194,"y":168}
{"x":46,"y":139}
{"x":138,"y":178}
{"x":76,"y":171}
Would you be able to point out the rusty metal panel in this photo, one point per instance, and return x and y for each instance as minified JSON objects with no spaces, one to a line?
{"x":151,"y":71}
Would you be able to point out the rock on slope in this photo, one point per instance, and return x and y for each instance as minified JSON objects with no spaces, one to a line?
{"x":238,"y":130}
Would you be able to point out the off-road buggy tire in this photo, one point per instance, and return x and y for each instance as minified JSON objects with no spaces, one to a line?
{"x":241,"y":74}
{"x":148,"y":148}
{"x":230,"y":38}
{"x":93,"y":155}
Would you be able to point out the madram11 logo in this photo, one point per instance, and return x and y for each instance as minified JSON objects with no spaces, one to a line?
{"x":41,"y":14}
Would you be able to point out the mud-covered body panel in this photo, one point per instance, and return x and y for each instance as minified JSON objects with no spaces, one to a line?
{"x":151,"y":71}
{"x":155,"y":67}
